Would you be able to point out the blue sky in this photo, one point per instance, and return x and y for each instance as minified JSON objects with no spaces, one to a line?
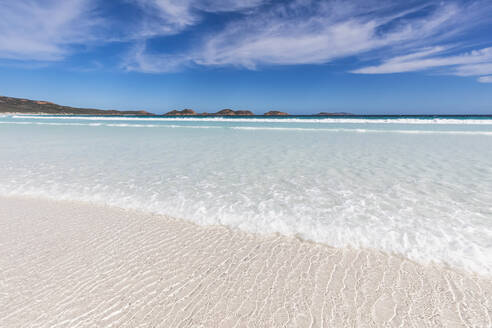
{"x":299,"y":56}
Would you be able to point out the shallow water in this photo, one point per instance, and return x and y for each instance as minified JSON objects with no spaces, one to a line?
{"x":418,"y":187}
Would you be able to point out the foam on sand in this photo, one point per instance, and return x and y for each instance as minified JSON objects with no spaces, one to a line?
{"x":71,"y":264}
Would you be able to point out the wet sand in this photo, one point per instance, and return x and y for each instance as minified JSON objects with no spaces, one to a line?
{"x":69,"y":264}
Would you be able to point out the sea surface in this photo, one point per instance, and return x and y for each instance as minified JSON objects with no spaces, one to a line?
{"x":416,"y":186}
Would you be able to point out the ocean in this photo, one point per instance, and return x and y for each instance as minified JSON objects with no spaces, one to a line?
{"x":419,"y":186}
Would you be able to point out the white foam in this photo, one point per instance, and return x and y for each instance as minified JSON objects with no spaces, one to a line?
{"x":122,"y":125}
{"x":252,"y":128}
{"x":485,"y":121}
{"x":485,"y":133}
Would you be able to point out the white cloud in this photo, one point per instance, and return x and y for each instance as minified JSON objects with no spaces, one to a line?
{"x":469,"y":63}
{"x":485,"y":79}
{"x":165,"y":17}
{"x":448,"y":59}
{"x":44,"y":29}
{"x":399,"y":36}
{"x":140,"y":60}
{"x":287,"y":42}
{"x":48,"y":30}
{"x":226,"y":5}
{"x":474,"y":69}
{"x":336,"y":30}
{"x":318,"y":32}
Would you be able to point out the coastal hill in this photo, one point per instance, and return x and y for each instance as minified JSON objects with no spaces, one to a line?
{"x":26,"y":106}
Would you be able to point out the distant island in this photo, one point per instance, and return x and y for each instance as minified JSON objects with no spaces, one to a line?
{"x":223,"y":112}
{"x":231,"y":112}
{"x":27,"y":106}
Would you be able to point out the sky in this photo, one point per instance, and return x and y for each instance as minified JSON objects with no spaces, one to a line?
{"x":298,"y":56}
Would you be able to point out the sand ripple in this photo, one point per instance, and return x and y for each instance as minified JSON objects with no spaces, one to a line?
{"x":67,"y":264}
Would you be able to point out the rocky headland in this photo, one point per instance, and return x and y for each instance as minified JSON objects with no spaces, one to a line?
{"x":27,"y":106}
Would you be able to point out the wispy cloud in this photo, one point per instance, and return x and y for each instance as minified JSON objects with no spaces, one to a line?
{"x":166,"y":17}
{"x":484,"y":68}
{"x":469,"y":63}
{"x":384,"y":36}
{"x":47,"y":30}
{"x":312,"y":32}
{"x":485,"y":79}
{"x":44,"y":29}
{"x":139,"y":60}
{"x":318,"y":32}
{"x":450,"y":58}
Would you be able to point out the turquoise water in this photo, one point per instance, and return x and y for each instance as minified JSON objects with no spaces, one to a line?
{"x":420,"y":187}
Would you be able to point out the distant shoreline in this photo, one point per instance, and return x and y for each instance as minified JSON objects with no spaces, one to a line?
{"x":20,"y":106}
{"x":259,"y":115}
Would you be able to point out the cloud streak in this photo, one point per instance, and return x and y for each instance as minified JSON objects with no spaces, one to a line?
{"x":320,"y":32}
{"x":139,"y":60}
{"x":167,"y":17}
{"x":44,"y":30}
{"x":48,"y":30}
{"x":381,"y":36}
{"x":469,"y":63}
{"x":485,"y":79}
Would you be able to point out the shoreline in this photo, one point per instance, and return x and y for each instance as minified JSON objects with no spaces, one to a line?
{"x":78,"y":264}
{"x":355,"y":116}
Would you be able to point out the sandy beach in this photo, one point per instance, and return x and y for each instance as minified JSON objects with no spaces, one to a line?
{"x":69,"y":264}
{"x":245,"y":163}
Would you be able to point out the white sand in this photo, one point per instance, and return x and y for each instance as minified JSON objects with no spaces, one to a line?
{"x":67,"y":264}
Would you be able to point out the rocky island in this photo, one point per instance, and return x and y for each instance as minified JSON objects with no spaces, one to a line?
{"x":184,"y":112}
{"x":275,"y":113}
{"x":223,"y":112}
{"x":229,"y":112}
